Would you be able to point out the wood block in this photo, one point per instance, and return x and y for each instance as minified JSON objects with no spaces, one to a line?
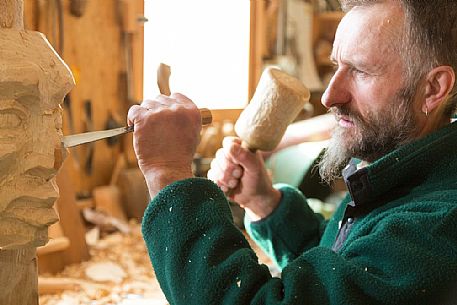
{"x":108,"y":200}
{"x":134,"y":192}
{"x":54,"y":245}
{"x":50,"y":259}
{"x":70,"y":219}
{"x":57,"y":285}
{"x":51,"y":262}
{"x":120,"y":165}
{"x":86,"y":203}
{"x":129,"y":151}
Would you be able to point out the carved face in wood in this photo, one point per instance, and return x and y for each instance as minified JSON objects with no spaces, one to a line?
{"x":33,"y":83}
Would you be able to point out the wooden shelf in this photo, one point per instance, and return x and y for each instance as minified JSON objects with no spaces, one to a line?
{"x":330,"y":16}
{"x":324,"y":62}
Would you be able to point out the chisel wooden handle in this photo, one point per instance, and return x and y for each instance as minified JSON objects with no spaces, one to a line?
{"x":205,"y":113}
{"x":207,"y":116}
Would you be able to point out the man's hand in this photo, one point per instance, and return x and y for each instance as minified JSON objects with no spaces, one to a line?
{"x":241,"y":174}
{"x":166,"y":134}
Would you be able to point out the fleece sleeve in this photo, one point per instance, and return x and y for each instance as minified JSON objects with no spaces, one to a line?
{"x":200,"y":257}
{"x":290,"y":230}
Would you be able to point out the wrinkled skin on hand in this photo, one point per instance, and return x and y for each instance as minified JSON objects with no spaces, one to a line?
{"x":166,"y":134}
{"x":242,"y":175}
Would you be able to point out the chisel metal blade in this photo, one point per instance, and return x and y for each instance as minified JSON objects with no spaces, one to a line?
{"x":86,"y":137}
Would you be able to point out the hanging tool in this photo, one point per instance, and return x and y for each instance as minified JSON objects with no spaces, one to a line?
{"x":112,"y":123}
{"x":89,"y":126}
{"x":88,"y":137}
{"x":163,"y":79}
{"x":78,"y":7}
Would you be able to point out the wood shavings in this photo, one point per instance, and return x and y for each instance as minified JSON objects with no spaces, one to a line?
{"x":92,"y":236}
{"x":139,"y":285}
{"x":104,"y":221}
{"x":135,"y":284}
{"x":105,"y":272}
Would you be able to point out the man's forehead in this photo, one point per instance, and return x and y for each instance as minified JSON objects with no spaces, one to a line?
{"x":386,"y":17}
{"x":372,"y":30}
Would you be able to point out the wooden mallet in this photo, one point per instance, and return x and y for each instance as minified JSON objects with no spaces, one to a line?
{"x":277,"y":101}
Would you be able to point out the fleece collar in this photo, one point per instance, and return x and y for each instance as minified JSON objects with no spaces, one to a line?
{"x":403,"y":168}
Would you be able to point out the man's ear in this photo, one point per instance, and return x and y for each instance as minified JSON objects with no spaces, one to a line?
{"x":438,"y":85}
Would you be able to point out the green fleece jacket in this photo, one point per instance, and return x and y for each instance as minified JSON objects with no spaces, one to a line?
{"x":401,"y":250}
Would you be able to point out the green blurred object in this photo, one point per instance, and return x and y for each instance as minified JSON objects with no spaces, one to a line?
{"x":291,"y":164}
{"x":297,"y":166}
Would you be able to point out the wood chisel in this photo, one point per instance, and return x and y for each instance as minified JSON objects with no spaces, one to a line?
{"x":87,"y":137}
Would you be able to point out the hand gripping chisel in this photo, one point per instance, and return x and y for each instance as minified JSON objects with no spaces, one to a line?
{"x":87,"y":137}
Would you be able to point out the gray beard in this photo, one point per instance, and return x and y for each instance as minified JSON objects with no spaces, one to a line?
{"x":371,"y":137}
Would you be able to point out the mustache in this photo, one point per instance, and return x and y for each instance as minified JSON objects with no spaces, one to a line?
{"x":344,"y":111}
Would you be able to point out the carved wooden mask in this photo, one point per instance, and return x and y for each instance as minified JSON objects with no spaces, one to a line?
{"x":33,"y":83}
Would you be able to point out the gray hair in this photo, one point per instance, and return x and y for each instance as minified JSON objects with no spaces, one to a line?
{"x":430,"y":38}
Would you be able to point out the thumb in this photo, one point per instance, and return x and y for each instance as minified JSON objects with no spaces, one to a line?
{"x":238,"y":153}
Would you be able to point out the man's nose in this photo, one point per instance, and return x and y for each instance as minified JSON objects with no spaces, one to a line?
{"x":337,"y":92}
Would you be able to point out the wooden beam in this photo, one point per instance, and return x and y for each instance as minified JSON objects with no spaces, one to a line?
{"x":252,"y":50}
{"x":12,"y":14}
{"x":257,"y":44}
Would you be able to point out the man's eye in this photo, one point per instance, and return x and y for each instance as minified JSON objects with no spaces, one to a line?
{"x":9,"y":120}
{"x":358,"y":72}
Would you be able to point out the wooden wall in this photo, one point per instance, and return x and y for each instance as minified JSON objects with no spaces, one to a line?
{"x":104,"y":50}
{"x":265,"y":17}
{"x":95,"y":47}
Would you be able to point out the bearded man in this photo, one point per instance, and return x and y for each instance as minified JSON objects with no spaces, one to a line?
{"x":393,"y":239}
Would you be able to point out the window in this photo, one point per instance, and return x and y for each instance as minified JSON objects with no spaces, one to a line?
{"x":206,"y":43}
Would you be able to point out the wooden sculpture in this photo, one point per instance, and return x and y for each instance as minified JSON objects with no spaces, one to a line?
{"x":33,"y":83}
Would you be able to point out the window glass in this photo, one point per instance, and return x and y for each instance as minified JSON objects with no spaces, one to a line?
{"x":206,"y":43}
